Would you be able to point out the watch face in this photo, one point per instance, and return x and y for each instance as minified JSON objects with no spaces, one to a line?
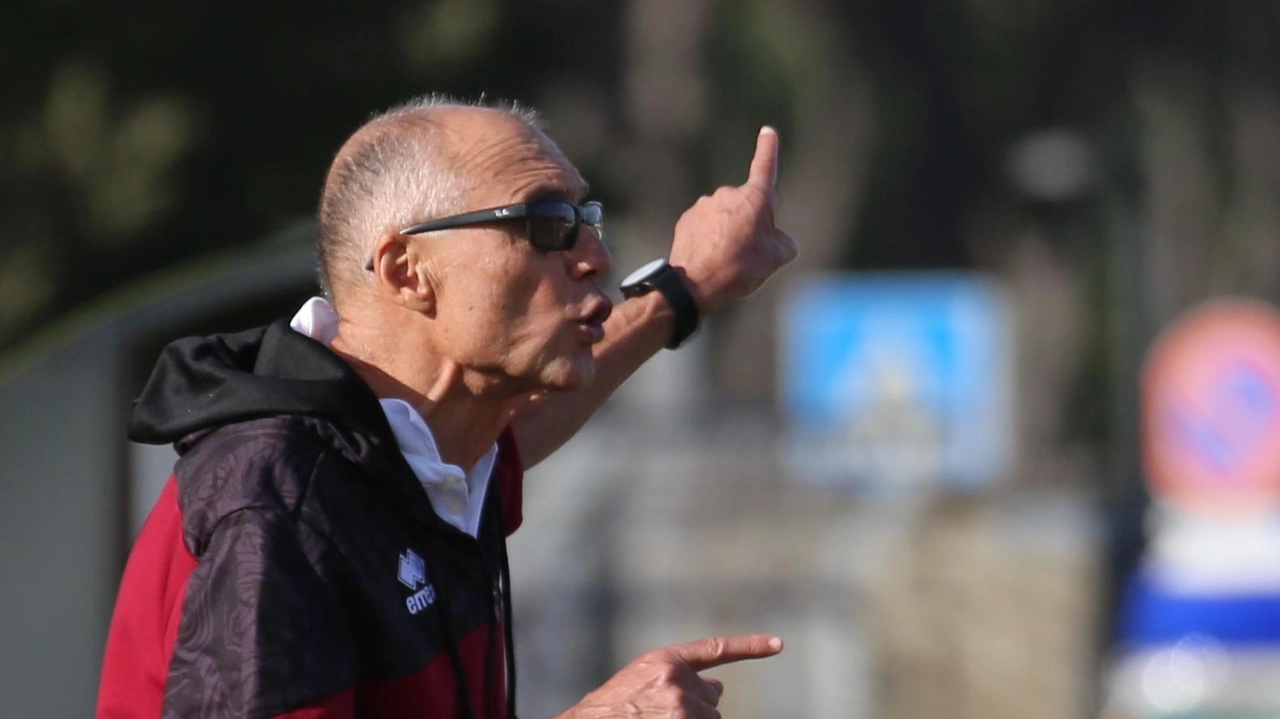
{"x":645,"y":271}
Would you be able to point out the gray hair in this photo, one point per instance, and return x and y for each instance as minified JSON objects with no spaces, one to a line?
{"x":397,"y":169}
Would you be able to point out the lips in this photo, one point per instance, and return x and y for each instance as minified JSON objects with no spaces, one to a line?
{"x":592,"y":321}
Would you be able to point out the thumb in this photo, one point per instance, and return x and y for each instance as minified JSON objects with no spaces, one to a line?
{"x":715,"y":651}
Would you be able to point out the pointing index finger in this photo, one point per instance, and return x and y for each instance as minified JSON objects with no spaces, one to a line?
{"x":708,"y":653}
{"x":764,"y":166}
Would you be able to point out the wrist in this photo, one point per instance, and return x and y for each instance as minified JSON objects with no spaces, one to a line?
{"x":670,"y":284}
{"x":697,"y":290}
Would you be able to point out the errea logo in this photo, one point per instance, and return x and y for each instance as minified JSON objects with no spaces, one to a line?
{"x":413,"y":574}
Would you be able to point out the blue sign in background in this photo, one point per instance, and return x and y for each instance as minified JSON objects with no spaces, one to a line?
{"x":907,"y":374}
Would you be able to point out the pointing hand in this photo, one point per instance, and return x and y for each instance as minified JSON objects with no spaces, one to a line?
{"x":727,"y":243}
{"x":665,"y":683}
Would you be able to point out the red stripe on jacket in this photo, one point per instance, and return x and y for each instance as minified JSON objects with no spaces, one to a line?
{"x":148,"y":612}
{"x":141,"y":641}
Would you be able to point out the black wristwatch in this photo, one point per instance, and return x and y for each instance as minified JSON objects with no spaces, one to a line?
{"x":660,"y":276}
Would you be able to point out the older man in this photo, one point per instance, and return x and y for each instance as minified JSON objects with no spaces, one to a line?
{"x":333,"y":543}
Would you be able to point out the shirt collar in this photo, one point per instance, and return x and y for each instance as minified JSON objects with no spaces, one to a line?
{"x":318,"y":320}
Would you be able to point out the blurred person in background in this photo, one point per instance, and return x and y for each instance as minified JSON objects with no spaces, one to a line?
{"x":333,"y":542}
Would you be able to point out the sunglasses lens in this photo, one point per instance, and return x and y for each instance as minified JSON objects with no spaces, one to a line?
{"x":593,"y":216}
{"x":553,"y":227}
{"x":546,"y":233}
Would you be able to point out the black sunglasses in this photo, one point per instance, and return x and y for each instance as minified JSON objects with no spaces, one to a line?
{"x":552,"y":224}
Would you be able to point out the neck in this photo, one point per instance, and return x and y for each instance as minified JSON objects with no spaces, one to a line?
{"x":466,"y":410}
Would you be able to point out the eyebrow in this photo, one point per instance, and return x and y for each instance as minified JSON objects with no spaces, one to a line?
{"x":560,"y":192}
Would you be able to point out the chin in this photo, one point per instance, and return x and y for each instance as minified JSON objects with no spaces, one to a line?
{"x":570,"y":374}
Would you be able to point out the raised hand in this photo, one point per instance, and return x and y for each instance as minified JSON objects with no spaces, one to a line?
{"x":665,"y":683}
{"x":727,"y":244}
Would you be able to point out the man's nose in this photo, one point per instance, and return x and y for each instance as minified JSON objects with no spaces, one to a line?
{"x":589,"y":256}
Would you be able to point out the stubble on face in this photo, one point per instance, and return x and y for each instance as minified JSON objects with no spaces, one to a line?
{"x":506,"y":309}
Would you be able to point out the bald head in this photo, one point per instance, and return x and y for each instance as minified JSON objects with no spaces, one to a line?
{"x":407,"y":165}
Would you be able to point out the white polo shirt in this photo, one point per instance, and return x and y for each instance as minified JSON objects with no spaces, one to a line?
{"x":457,"y":495}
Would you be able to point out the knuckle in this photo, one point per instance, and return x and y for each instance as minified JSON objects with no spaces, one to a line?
{"x":717,"y":648}
{"x":668,"y":673}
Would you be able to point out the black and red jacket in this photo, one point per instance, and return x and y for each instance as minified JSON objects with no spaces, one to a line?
{"x":294,"y":567}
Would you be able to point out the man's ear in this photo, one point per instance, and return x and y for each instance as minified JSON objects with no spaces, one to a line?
{"x":401,"y":274}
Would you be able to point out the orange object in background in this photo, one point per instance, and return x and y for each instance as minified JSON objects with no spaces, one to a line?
{"x":1199,"y":626}
{"x":1211,"y":410}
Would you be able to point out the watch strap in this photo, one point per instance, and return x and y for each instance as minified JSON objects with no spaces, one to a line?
{"x":661,"y":276}
{"x":673,"y":288}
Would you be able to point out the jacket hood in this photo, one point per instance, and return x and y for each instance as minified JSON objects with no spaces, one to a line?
{"x":201,"y":383}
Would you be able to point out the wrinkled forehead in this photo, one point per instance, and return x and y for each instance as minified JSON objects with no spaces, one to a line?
{"x":509,"y":161}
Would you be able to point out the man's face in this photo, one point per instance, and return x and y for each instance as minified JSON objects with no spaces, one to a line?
{"x":519,"y":315}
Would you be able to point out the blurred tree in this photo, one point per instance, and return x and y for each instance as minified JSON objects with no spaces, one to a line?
{"x":140,"y":135}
